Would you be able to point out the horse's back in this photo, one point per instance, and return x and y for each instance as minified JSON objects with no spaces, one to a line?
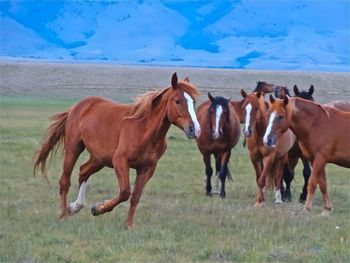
{"x":339,"y":104}
{"x":98,"y":121}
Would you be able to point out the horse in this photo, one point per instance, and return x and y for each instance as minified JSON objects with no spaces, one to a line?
{"x":267,"y":162}
{"x":264,"y":87}
{"x":118,"y":136}
{"x":220,"y":132}
{"x":295,"y":153}
{"x":323,"y":134}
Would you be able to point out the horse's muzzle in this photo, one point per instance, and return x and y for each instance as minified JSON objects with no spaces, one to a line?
{"x":191,"y":132}
{"x":271,"y":141}
{"x":247,"y":132}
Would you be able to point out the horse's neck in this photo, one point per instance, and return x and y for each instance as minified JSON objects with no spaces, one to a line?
{"x":303,"y":115}
{"x":157,"y":123}
{"x":237,"y":106}
{"x":261,"y":125}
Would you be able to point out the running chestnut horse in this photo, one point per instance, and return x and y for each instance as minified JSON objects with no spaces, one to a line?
{"x":220,"y":131}
{"x":268,"y":162}
{"x":120,"y":137}
{"x":323,"y":134}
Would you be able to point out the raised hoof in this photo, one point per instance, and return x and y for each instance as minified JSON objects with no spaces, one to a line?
{"x":94,"y":211}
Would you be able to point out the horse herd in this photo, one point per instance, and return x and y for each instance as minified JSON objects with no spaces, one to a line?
{"x":277,"y":133}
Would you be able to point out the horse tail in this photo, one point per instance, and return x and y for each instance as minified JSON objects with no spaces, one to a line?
{"x":51,"y":141}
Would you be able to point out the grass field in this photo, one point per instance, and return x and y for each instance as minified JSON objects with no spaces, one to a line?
{"x":175,"y":221}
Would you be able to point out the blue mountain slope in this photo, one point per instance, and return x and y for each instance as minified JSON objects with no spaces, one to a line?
{"x":295,"y":35}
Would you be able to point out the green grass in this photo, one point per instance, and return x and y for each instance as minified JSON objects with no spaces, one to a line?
{"x":174,"y":222}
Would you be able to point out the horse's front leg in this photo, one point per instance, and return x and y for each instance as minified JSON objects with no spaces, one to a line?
{"x":225,"y":157}
{"x":143,"y":175}
{"x":267,"y":165}
{"x":318,"y":176}
{"x":121,"y":169}
{"x":208,"y":172}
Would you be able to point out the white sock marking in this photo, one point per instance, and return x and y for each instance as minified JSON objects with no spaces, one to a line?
{"x":278,"y":197}
{"x":80,"y":202}
{"x":248,"y":109}
{"x":269,"y":127}
{"x":217,"y":120}
{"x":197,"y":127}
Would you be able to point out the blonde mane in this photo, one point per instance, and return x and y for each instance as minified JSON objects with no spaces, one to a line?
{"x":143,"y":104}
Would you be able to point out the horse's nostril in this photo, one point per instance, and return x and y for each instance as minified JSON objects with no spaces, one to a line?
{"x":191,"y":129}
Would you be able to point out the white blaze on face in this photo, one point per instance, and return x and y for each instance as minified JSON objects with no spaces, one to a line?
{"x":197,"y":127}
{"x":269,"y":127}
{"x":80,"y":202}
{"x":248,"y":110}
{"x":217,"y":120}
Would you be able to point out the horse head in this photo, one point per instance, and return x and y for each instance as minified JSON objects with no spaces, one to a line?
{"x":279,"y":116}
{"x":304,"y":94}
{"x":219,"y":115}
{"x":254,"y":106}
{"x":180,"y":106}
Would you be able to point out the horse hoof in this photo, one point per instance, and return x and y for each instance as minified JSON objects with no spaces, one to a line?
{"x":259,"y":205}
{"x":94,"y":211}
{"x":326,"y":212}
{"x":278,"y":202}
{"x":302,"y":198}
{"x":209,"y":194}
{"x":223,"y":196}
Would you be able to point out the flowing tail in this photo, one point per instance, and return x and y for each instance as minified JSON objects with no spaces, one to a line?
{"x":51,"y":141}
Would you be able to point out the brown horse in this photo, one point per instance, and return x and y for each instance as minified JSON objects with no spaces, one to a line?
{"x":220,"y":131}
{"x":267,"y":162}
{"x":323,"y":135}
{"x":120,"y":137}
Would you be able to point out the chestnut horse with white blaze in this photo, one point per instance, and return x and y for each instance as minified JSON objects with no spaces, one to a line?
{"x":267,"y":162}
{"x":220,"y":131}
{"x":324,"y":137}
{"x":120,"y":137}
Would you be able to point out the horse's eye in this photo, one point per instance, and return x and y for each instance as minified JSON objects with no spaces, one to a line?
{"x":177,"y":101}
{"x":256,"y":109}
{"x":280,"y":117}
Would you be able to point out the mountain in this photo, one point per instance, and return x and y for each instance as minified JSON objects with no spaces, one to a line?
{"x":285,"y":35}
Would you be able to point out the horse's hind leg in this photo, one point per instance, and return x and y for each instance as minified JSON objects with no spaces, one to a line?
{"x":90,"y":167}
{"x":71,"y":154}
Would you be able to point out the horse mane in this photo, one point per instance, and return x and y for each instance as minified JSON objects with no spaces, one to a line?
{"x":143,"y":104}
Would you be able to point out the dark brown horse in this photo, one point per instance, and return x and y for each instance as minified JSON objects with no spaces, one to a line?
{"x":323,"y":134}
{"x":268,"y":162}
{"x":220,"y":131}
{"x":120,"y":137}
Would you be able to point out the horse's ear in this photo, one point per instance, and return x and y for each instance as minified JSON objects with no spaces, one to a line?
{"x":174,"y":80}
{"x":286,"y":100}
{"x":296,"y":91}
{"x":258,"y":94}
{"x":187,"y":79}
{"x":243,"y":93}
{"x":311,"y":90}
{"x":272,"y":99}
{"x":212,"y":99}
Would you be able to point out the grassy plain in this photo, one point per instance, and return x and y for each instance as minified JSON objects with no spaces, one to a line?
{"x":175,"y":221}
